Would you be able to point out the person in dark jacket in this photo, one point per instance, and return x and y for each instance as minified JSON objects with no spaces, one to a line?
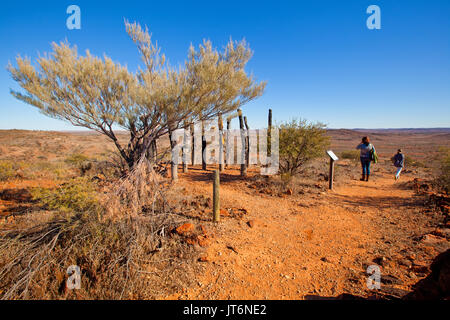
{"x":365,"y":148}
{"x":399,"y":163}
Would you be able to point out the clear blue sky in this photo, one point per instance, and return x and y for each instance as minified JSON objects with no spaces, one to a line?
{"x":320,"y":60}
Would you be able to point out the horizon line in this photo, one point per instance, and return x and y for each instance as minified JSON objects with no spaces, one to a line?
{"x":354,"y":129}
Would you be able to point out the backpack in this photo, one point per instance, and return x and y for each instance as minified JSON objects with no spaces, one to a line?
{"x":373,"y":155}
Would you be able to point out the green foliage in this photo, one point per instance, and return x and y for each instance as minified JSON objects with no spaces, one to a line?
{"x":411,"y":162}
{"x":80,"y":161}
{"x":104,"y":96}
{"x":300,"y":142}
{"x":76,"y":159}
{"x":350,"y":154}
{"x":77,"y":195}
{"x":443,"y":179}
{"x":6,"y":170}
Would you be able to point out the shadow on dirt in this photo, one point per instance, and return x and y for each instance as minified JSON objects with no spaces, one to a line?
{"x":196,"y":174}
{"x":20,"y":201}
{"x":436,"y":286}
{"x":382,"y":202}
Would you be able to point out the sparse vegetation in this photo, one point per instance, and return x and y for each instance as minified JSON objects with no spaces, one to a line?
{"x":77,"y":195}
{"x":443,"y":180}
{"x":149,"y":104}
{"x":76,"y":159}
{"x":119,"y":259}
{"x":350,"y":154}
{"x":300,"y":142}
{"x":411,"y":162}
{"x":6,"y":170}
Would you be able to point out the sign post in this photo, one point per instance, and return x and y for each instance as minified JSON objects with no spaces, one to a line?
{"x":333,"y":158}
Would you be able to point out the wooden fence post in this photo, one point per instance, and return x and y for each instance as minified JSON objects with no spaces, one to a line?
{"x":173,"y":165}
{"x":228,"y":141}
{"x":247,"y":143}
{"x":185,"y":151}
{"x":192,"y":128}
{"x":333,"y":158}
{"x":241,"y":126}
{"x":220,"y":143}
{"x":216,"y":196}
{"x":203,"y":146}
{"x":269,"y":134}
{"x":331,"y":177}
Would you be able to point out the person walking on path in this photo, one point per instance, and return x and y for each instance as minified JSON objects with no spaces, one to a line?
{"x":367,"y":151}
{"x":399,"y":163}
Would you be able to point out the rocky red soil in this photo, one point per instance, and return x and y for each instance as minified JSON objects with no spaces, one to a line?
{"x":318,"y":244}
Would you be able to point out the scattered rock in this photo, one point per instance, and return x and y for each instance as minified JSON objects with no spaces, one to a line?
{"x":387,"y":279}
{"x":405,"y":262}
{"x":381,"y":261}
{"x":203,"y":229}
{"x":443,"y":233}
{"x":232,"y":248}
{"x":208,"y":203}
{"x":192,"y":241}
{"x":203,"y":259}
{"x":202,"y":241}
{"x":309,"y":234}
{"x":224,"y":213}
{"x":411,"y":257}
{"x":289,"y":192}
{"x":420,"y":267}
{"x":238,"y":212}
{"x":100,"y":177}
{"x":251,"y":223}
{"x":437,"y":284}
{"x":185,"y":229}
{"x":431,"y":238}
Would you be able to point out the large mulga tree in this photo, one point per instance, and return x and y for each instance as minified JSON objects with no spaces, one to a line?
{"x":102,"y":95}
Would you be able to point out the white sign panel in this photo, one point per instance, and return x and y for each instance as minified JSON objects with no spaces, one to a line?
{"x":332,"y":155}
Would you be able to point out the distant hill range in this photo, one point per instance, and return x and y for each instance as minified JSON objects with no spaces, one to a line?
{"x":419,"y":142}
{"x":395,"y":130}
{"x":406,"y":130}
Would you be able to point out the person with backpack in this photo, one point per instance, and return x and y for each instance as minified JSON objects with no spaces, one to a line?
{"x":367,"y":155}
{"x":399,"y":163}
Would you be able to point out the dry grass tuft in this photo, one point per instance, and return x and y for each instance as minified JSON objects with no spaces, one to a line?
{"x":121,"y":243}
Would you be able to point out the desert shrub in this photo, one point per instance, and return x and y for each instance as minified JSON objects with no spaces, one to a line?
{"x":119,"y":259}
{"x":411,"y":162}
{"x":45,"y":169}
{"x":299,"y":143}
{"x":443,"y":179}
{"x":77,"y":195}
{"x":121,"y":255}
{"x":76,"y":159}
{"x":6,"y":170}
{"x":350,"y":154}
{"x":80,"y":161}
